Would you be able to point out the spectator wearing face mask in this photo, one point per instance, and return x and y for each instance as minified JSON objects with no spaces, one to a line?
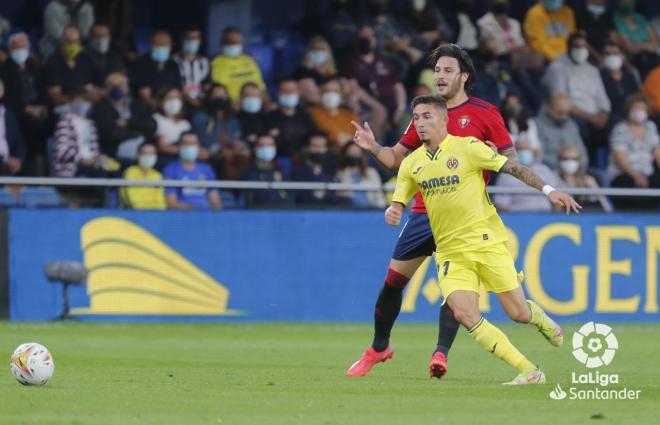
{"x":289,"y":124}
{"x":24,"y":94}
{"x":523,"y":202}
{"x":215,"y":123}
{"x":170,"y":123}
{"x":318,"y":165}
{"x":12,"y":147}
{"x":266,"y":168}
{"x":104,"y":56}
{"x":232,"y":68}
{"x":155,"y":70}
{"x":332,"y":118}
{"x":557,"y":129}
{"x":596,"y":21}
{"x":144,"y":198}
{"x":498,"y":26}
{"x":354,"y":168}
{"x":188,"y":167}
{"x":194,"y":67}
{"x":547,"y":26}
{"x":572,"y":172}
{"x":60,"y":14}
{"x":427,"y":24}
{"x":252,"y":115}
{"x":69,"y":70}
{"x":635,"y":157}
{"x":572,"y":75}
{"x":519,"y":124}
{"x":318,"y":62}
{"x":76,"y":151}
{"x":619,"y":81}
{"x":123,"y":123}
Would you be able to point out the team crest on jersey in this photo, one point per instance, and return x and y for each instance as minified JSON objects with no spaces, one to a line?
{"x":452,"y":163}
{"x":464,"y":121}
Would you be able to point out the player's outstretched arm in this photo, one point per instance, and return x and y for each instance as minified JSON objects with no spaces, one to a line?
{"x":389,"y":158}
{"x":530,"y":178}
{"x":393,"y":214}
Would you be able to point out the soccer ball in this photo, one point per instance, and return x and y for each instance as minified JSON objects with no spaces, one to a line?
{"x":32,"y":364}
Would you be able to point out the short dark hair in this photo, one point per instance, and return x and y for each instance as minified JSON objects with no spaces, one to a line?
{"x":577,"y":35}
{"x":248,"y":84}
{"x":188,"y":133}
{"x":437,"y":101}
{"x":635,"y":98}
{"x":229,"y":30}
{"x":145,"y":144}
{"x":461,"y":55}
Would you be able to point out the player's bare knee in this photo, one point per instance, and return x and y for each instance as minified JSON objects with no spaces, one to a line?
{"x":466,"y":316}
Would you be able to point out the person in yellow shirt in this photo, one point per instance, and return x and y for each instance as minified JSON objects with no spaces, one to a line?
{"x":547,"y":27}
{"x":232,"y":68}
{"x":144,"y":198}
{"x":469,"y":234}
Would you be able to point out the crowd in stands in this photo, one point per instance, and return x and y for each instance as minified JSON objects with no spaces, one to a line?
{"x":578,"y":88}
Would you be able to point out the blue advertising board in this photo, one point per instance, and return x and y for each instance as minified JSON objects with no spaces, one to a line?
{"x":310,"y":265}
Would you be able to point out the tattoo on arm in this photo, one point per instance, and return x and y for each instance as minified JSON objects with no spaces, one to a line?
{"x":524,"y":174}
{"x":510,"y":153}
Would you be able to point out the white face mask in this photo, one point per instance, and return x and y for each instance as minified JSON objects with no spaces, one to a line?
{"x":638,"y":116}
{"x":569,"y":166}
{"x":172,"y":106}
{"x":266,"y":153}
{"x":331,"y":100}
{"x":580,"y":54}
{"x":419,"y":5}
{"x":526,"y":157}
{"x":317,"y":57}
{"x":251,"y":104}
{"x":613,"y":62}
{"x":147,"y":161}
{"x":232,"y":50}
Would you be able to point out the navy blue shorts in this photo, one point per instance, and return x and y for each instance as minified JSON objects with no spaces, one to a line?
{"x":416,"y":238}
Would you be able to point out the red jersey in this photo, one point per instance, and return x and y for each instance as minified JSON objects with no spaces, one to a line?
{"x":473,"y":118}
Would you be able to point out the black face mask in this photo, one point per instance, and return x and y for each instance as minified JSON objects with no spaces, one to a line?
{"x":364,"y":45}
{"x":219,"y":104}
{"x":500,"y":9}
{"x":353,"y":161}
{"x":317,"y":158}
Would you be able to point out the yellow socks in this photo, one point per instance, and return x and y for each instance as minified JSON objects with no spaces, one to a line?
{"x":493,"y":340}
{"x":538,"y":315}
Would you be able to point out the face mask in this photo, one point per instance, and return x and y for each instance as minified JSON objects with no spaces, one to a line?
{"x":191,"y":46}
{"x":364,"y":45}
{"x":553,"y":5}
{"x":318,"y":57}
{"x":81,"y":107}
{"x":172,"y":106}
{"x":188,"y":153}
{"x":500,"y":8}
{"x":71,"y":50}
{"x":116,"y":93}
{"x":513,"y":111}
{"x":613,"y":62}
{"x":317,"y":158}
{"x":569,"y":166}
{"x":219,"y":104}
{"x":232,"y":50}
{"x":419,"y":5}
{"x":580,"y":55}
{"x":525,"y":157}
{"x":289,"y":100}
{"x":638,"y":116}
{"x":251,"y":104}
{"x":160,"y":53}
{"x":101,"y":45}
{"x":19,"y":55}
{"x":147,"y":161}
{"x":331,"y":100}
{"x":266,"y":153}
{"x":596,"y":9}
{"x":353,"y":161}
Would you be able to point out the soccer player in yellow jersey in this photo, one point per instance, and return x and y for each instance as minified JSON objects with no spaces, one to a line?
{"x":469,"y":234}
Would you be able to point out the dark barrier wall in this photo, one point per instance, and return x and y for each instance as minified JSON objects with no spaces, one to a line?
{"x":310,"y":266}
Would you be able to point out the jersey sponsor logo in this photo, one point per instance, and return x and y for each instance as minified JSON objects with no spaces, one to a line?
{"x":452,"y":163}
{"x":464,"y":121}
{"x":439,"y":182}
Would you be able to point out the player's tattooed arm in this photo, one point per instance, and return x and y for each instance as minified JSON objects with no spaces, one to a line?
{"x":522,"y":173}
{"x":510,"y":153}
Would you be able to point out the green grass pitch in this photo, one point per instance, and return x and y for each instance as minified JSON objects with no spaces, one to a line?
{"x":294,"y":374}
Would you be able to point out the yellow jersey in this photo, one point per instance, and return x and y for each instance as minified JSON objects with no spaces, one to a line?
{"x":233,"y":73}
{"x":143,"y":198}
{"x":461,"y":214}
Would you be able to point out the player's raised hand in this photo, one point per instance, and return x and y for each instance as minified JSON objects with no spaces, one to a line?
{"x":393,"y":214}
{"x":564,"y":200}
{"x":364,"y":137}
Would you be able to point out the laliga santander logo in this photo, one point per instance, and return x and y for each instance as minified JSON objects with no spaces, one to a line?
{"x":594,"y":345}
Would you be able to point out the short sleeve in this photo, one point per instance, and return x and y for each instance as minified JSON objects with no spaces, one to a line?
{"x":618,"y":139}
{"x":405,"y":187}
{"x":483,"y":157}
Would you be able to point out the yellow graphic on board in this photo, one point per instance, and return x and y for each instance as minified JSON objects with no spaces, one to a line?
{"x":132,"y":272}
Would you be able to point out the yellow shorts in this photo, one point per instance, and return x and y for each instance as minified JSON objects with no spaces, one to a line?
{"x":492,"y":266}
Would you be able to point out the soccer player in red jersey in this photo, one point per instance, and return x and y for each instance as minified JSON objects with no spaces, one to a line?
{"x":454,"y":73}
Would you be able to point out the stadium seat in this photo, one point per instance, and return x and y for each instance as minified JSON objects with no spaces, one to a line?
{"x":264,"y":55}
{"x":39,"y":197}
{"x":7,"y":198}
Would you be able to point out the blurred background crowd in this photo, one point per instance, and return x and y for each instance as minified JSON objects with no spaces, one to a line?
{"x":87,"y":92}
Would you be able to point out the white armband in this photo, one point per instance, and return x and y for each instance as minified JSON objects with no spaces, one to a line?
{"x":547,"y":189}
